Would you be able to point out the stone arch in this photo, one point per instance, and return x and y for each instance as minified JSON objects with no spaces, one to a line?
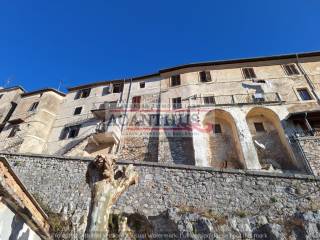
{"x":269,"y":139}
{"x":224,"y":149}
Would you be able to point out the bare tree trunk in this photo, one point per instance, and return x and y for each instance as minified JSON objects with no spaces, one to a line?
{"x":112,"y":182}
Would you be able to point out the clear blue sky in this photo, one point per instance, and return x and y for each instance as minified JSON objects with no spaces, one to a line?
{"x":81,"y":41}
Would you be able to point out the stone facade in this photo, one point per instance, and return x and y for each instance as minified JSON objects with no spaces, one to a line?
{"x":230,"y":199}
{"x":311,"y":149}
{"x":236,"y":114}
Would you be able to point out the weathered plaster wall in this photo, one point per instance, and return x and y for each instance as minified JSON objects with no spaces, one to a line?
{"x":35,"y":126}
{"x":60,"y":185}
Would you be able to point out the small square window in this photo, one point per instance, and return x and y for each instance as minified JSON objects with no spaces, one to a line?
{"x":142,"y":85}
{"x":175,"y":80}
{"x":208,"y":100}
{"x":74,"y":131}
{"x":77,"y":110}
{"x":217,"y":128}
{"x":176,"y":103}
{"x":205,"y":76}
{"x":249,"y":73}
{"x":33,"y":107}
{"x":259,"y":127}
{"x":291,"y":69}
{"x":105,"y":91}
{"x":304,"y":94}
{"x":117,"y":88}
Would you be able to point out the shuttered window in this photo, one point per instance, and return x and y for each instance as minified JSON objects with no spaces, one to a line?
{"x":33,"y":106}
{"x":248,"y":73}
{"x":291,"y":69}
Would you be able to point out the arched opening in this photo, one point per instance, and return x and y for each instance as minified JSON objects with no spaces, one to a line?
{"x":269,"y":139}
{"x":224,"y":149}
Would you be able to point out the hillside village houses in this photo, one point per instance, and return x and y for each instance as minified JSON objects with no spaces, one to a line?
{"x":257,"y":114}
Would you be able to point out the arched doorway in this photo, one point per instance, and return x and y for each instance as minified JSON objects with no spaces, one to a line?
{"x":224,"y":149}
{"x":269,"y":139}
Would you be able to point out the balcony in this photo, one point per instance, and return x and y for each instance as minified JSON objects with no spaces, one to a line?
{"x":236,"y":99}
{"x":106,"y":134}
{"x":104,"y":110}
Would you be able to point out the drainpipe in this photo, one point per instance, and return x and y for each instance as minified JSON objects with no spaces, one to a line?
{"x":307,"y":78}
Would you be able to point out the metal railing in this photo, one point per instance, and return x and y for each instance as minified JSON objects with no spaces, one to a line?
{"x":236,"y":99}
{"x":107,"y":106}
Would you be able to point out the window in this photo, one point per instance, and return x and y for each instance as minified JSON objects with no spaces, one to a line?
{"x":83,"y":93}
{"x":136,"y":102}
{"x":248,"y":73}
{"x":70,"y":132}
{"x":105,"y":91}
{"x":291,"y":69}
{"x":142,"y":85}
{"x":175,"y":80}
{"x":208,"y":100}
{"x":1,"y":95}
{"x":217,"y":128}
{"x":205,"y":76}
{"x":33,"y":106}
{"x":259,"y":127}
{"x":304,"y":94}
{"x":77,"y":110}
{"x":14,"y":131}
{"x":154,"y":119}
{"x":176,"y":103}
{"x":117,"y":87}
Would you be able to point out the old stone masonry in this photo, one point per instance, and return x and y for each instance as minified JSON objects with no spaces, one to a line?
{"x":214,"y":150}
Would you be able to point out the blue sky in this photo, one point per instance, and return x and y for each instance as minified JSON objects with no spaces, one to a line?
{"x":43,"y":42}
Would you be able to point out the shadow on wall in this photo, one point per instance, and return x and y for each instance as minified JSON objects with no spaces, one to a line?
{"x":269,"y":139}
{"x":17,"y":227}
{"x":180,"y":149}
{"x":224,"y":150}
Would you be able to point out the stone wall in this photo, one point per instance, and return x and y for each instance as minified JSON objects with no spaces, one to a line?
{"x":60,"y":185}
{"x":311,"y":149}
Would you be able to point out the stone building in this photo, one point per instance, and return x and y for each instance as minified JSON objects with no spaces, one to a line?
{"x":29,"y":125}
{"x":257,"y":114}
